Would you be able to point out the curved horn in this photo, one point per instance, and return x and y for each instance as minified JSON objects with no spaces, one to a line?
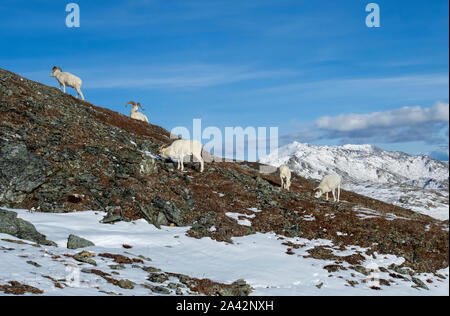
{"x":162,"y":147}
{"x":139,"y":105}
{"x":56,"y":68}
{"x":131,"y":102}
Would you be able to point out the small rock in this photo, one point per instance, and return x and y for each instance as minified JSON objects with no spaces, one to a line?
{"x":126,"y":284}
{"x":145,"y":258}
{"x":85,"y":257}
{"x":361,"y":270}
{"x":241,"y":288}
{"x":37,"y":265}
{"x":419,"y":284}
{"x":158,"y":277}
{"x":150,"y":269}
{"x":75,"y":242}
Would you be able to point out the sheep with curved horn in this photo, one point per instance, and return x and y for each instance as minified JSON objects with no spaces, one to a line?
{"x":67,"y":79}
{"x":135,"y":111}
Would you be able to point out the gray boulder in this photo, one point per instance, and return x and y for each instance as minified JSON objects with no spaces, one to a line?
{"x":17,"y":227}
{"x":75,"y":242}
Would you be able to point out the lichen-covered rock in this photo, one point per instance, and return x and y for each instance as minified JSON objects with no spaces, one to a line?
{"x":158,"y":277}
{"x":21,"y":172}
{"x":12,"y":225}
{"x":126,"y":284}
{"x":169,"y":209}
{"x":113,"y":215}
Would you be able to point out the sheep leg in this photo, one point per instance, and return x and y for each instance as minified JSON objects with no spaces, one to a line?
{"x":64,"y":86}
{"x":334,"y":195}
{"x":202,"y":163}
{"x":339,"y":193}
{"x":80,"y":93}
{"x":327,"y":196}
{"x":182,"y":164}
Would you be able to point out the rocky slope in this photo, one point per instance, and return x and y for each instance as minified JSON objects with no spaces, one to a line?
{"x":61,"y":155}
{"x":416,"y":182}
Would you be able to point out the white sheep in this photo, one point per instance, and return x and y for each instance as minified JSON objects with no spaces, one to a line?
{"x":285,"y":175}
{"x":67,"y":79}
{"x":330,"y":184}
{"x":135,"y":112}
{"x":182,"y":148}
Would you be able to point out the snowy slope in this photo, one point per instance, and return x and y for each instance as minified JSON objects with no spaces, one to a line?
{"x":417,"y":182}
{"x":260,"y":259}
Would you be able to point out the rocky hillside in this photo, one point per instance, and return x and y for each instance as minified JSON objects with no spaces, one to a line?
{"x":60,"y":155}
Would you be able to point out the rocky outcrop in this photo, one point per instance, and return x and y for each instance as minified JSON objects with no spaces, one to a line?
{"x":21,"y":172}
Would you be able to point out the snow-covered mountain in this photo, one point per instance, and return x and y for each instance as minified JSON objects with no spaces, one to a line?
{"x":417,"y":182}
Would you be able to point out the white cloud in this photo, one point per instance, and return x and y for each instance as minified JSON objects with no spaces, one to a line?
{"x":428,"y":126}
{"x":402,"y":117}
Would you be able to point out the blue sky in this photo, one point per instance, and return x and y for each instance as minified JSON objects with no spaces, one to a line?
{"x":307,"y":67}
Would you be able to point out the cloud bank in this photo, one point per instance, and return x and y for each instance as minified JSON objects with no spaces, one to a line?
{"x":428,"y":125}
{"x":403,"y":117}
{"x":406,"y":124}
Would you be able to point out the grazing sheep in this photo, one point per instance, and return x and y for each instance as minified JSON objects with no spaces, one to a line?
{"x":329,"y":184}
{"x":135,"y":112}
{"x":67,"y":79}
{"x":285,"y":175}
{"x":181,"y":148}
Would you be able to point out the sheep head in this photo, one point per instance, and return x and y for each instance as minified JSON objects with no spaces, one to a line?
{"x":55,"y":70}
{"x":318,"y":192}
{"x":135,"y":105}
{"x":163,"y":151}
